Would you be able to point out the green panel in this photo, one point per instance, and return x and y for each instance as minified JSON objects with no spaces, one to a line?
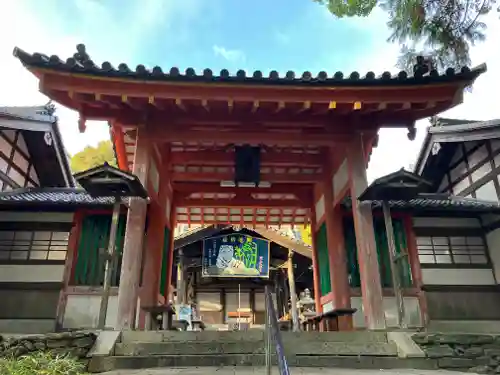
{"x":93,"y":243}
{"x":164,"y":263}
{"x":382,"y":253}
{"x":323,"y":261}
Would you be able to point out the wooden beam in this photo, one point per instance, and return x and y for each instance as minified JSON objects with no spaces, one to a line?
{"x":121,"y":152}
{"x":240,"y":202}
{"x":292,"y":159}
{"x":171,"y":134}
{"x":211,"y":187}
{"x":248,"y":92}
{"x":217,"y":118}
{"x":228,"y":176}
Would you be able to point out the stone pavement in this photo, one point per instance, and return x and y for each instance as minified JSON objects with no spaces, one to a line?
{"x":262,"y":370}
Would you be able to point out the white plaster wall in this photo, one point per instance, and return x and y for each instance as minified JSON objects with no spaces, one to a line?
{"x":412,"y":312}
{"x":56,"y":217}
{"x":340,"y":178}
{"x":493,"y":241}
{"x":320,"y":208}
{"x":457,"y":276}
{"x":446,"y":222}
{"x":31,"y":273}
{"x":82,"y":311}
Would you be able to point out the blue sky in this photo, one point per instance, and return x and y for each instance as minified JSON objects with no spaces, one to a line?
{"x":253,"y":35}
{"x":279,"y":34}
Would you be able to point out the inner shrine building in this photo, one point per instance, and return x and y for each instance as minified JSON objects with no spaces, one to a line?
{"x":248,"y":150}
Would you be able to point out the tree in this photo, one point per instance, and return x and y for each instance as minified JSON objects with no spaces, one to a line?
{"x":93,"y":156}
{"x":440,"y":30}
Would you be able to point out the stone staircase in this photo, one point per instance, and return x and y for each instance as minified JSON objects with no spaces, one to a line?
{"x":137,"y":350}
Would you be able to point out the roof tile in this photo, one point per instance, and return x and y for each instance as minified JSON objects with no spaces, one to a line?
{"x":78,"y":197}
{"x":81,"y":63}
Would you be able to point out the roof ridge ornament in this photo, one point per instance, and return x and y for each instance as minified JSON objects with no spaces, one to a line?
{"x":50,"y":107}
{"x":81,"y":55}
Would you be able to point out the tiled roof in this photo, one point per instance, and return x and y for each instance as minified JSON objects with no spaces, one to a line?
{"x":57,"y":196}
{"x":81,"y":63}
{"x":439,"y":202}
{"x":68,"y":196}
{"x":34,"y":113}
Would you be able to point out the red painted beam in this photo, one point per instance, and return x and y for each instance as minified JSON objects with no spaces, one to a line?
{"x":200,"y":177}
{"x":214,"y":187}
{"x":246,"y":92}
{"x":227,"y":158}
{"x":240,"y":202}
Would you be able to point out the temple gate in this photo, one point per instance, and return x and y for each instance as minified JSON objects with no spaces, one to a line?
{"x":250,"y":151}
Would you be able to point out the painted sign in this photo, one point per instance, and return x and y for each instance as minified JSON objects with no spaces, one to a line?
{"x":235,"y":255}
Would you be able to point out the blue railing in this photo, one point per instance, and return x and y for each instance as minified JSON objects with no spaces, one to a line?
{"x":273,"y":334}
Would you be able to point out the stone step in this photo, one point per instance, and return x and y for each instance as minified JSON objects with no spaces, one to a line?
{"x":292,"y":347}
{"x":102,"y":364}
{"x":252,"y":335}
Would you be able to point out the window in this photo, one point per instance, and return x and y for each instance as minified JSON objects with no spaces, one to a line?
{"x":441,"y":250}
{"x":30,"y":245}
{"x":487,"y":192}
{"x":15,"y":161}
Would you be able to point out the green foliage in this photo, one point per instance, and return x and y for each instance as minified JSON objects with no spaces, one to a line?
{"x":93,"y":156}
{"x":442,"y":30}
{"x":349,"y":8}
{"x":41,"y":363}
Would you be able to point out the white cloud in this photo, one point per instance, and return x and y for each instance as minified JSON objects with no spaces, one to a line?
{"x":19,"y":87}
{"x":106,"y":37}
{"x":232,"y":55}
{"x":282,"y":37}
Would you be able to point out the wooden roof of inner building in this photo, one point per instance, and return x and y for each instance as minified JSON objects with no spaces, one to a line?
{"x":195,"y":120}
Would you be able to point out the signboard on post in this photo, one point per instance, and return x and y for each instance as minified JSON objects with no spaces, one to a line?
{"x":235,"y":255}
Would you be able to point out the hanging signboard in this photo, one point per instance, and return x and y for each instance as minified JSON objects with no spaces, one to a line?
{"x":235,"y":255}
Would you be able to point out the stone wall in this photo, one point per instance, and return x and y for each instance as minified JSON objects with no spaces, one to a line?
{"x":475,"y":353}
{"x":77,"y":344}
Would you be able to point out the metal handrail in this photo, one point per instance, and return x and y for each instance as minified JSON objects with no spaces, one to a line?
{"x":273,"y":331}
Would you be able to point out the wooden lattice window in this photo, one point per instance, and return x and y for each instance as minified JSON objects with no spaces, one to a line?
{"x":25,"y":245}
{"x":447,"y":250}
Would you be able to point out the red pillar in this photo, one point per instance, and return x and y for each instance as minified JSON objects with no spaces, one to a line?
{"x":172,"y":222}
{"x":155,"y":234}
{"x":316,"y":285}
{"x":336,"y":248}
{"x":133,"y":244}
{"x":371,"y":287}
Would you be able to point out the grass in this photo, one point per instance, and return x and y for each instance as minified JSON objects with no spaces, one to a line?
{"x":41,"y":363}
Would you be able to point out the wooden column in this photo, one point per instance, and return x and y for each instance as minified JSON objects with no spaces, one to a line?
{"x":293,"y":292}
{"x":155,"y":235}
{"x":416,"y":270}
{"x":71,"y":257}
{"x":172,"y":223}
{"x":316,"y":285}
{"x":337,"y":256}
{"x":371,"y":287}
{"x":133,"y":244}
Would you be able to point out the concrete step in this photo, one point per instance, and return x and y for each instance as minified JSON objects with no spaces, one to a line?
{"x":292,"y":347}
{"x":252,"y":335}
{"x":102,"y":364}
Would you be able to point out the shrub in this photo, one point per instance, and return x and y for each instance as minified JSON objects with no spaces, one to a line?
{"x":41,"y":363}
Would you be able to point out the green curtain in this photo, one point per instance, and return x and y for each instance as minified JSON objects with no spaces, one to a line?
{"x":164,"y":263}
{"x":92,"y":247}
{"x":382,"y":253}
{"x":323,"y":261}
